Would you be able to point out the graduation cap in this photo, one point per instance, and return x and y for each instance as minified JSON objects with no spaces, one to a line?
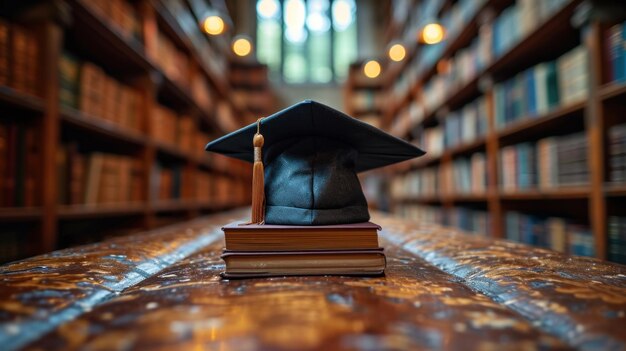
{"x":310,"y":158}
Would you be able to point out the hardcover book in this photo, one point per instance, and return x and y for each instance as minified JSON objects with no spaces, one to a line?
{"x":289,"y":237}
{"x":242,"y":264}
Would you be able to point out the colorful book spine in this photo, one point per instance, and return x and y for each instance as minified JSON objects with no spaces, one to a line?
{"x":616,"y":52}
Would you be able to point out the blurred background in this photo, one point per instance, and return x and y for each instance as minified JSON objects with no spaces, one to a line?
{"x":105,"y":108}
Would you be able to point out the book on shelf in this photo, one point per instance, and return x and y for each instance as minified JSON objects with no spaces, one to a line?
{"x":173,"y":61}
{"x":97,"y":177}
{"x":540,"y":89}
{"x":119,"y":15}
{"x":20,"y":157}
{"x":201,"y":92}
{"x":165,"y":182}
{"x":548,"y":163}
{"x":555,"y":233}
{"x":163,"y":125}
{"x":615,"y":52}
{"x":617,"y":239}
{"x":617,"y":153}
{"x":88,"y":88}
{"x":19,"y":58}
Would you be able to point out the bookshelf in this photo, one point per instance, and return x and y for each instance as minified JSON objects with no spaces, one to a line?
{"x":434,"y":85}
{"x":162,"y":180}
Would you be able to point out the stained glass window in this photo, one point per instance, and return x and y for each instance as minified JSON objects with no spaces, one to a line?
{"x":307,"y":41}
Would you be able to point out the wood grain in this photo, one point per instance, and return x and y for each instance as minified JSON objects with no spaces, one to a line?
{"x":443,"y":289}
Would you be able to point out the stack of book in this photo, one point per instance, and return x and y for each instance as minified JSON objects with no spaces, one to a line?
{"x":276,"y":250}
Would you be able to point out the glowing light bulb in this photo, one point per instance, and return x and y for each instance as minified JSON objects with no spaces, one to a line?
{"x":432,"y":33}
{"x":372,"y":69}
{"x":397,"y":52}
{"x":242,"y":47}
{"x":214,"y":25}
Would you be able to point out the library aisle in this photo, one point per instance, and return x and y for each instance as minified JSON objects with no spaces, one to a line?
{"x":120,"y":231}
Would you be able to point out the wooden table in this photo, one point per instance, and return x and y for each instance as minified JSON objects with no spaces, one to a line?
{"x":443,"y":290}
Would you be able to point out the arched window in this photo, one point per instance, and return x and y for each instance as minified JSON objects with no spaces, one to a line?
{"x":307,"y":41}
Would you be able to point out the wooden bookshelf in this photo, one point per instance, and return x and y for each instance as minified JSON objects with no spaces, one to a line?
{"x":555,"y":35}
{"x":80,"y":28}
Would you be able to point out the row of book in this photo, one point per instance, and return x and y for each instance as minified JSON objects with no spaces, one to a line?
{"x":87,"y":87}
{"x":174,"y":182}
{"x":97,"y":177}
{"x":494,"y":39}
{"x":465,"y":175}
{"x":555,"y":233}
{"x":119,"y":14}
{"x":462,"y":126}
{"x":20,"y":164}
{"x":422,"y":182}
{"x":19,"y":53}
{"x":540,"y":89}
{"x":470,"y":220}
{"x":617,"y":153}
{"x":517,"y":21}
{"x":616,"y":52}
{"x":617,"y":239}
{"x":548,"y":163}
{"x":174,"y":62}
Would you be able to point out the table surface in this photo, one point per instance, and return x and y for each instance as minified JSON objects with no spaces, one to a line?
{"x":443,"y":289}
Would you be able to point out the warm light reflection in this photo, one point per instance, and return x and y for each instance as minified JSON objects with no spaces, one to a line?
{"x":342,"y":14}
{"x":214,"y":25}
{"x":242,"y":47}
{"x":432,"y":33}
{"x":372,"y":69}
{"x":267,"y":8}
{"x":397,"y":52}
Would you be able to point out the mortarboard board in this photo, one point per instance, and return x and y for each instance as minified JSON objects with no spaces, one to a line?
{"x":312,"y":154}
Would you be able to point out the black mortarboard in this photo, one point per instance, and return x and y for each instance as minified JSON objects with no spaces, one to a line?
{"x":312,"y":154}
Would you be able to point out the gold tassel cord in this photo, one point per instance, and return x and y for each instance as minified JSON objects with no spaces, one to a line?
{"x":258,"y":178}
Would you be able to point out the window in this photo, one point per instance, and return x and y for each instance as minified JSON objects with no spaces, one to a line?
{"x":307,"y":41}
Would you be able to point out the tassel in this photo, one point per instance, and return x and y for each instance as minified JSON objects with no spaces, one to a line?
{"x":258,"y":181}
